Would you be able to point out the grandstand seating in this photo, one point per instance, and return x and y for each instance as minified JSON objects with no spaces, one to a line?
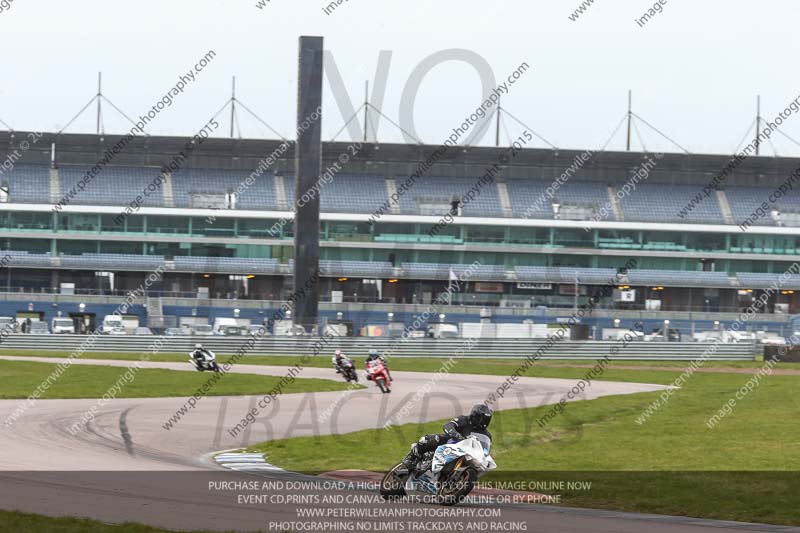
{"x":431,"y":195}
{"x":445,"y":271}
{"x":749,"y":280}
{"x":681,"y":278}
{"x":28,"y":183}
{"x":25,"y":259}
{"x":356,"y":268}
{"x":113,"y":185}
{"x":382,"y":269}
{"x":745,"y":200}
{"x":564,"y":274}
{"x":112,"y":261}
{"x":260,"y":195}
{"x":653,"y":202}
{"x":232,"y":265}
{"x":650,"y":202}
{"x":359,"y":194}
{"x":529,"y":199}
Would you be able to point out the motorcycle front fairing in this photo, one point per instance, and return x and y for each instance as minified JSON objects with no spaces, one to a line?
{"x":202,"y":357}
{"x":475,"y":448}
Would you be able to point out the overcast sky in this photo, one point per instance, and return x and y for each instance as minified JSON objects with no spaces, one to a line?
{"x":695,"y":69}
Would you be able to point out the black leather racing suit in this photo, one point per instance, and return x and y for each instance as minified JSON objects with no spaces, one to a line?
{"x":458,"y":429}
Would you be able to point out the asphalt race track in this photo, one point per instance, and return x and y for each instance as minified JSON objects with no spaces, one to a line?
{"x":125,"y":466}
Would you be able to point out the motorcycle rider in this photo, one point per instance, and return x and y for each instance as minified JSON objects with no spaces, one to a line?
{"x":338,"y":360}
{"x":200,"y":354}
{"x":374,"y":355}
{"x":457,"y":429}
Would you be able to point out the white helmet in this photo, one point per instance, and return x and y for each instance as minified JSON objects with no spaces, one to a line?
{"x":198,"y":346}
{"x":337,"y":353}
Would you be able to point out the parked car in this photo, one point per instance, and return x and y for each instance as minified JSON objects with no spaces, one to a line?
{"x":62,"y":325}
{"x":673,"y":335}
{"x":10,"y":323}
{"x":113,"y":325}
{"x":234,"y":330}
{"x":443,"y":331}
{"x":202,"y":329}
{"x":222,"y":325}
{"x":257,"y":330}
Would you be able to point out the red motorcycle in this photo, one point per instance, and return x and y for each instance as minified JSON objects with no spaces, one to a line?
{"x":376,"y":371}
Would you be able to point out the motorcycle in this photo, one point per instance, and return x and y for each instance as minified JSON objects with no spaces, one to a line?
{"x":449,"y":476}
{"x":204,"y":360}
{"x":376,"y":371}
{"x":349,"y":371}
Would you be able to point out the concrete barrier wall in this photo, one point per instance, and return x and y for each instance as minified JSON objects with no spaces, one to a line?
{"x":358,"y":347}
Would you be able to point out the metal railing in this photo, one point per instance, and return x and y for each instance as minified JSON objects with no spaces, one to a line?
{"x":359,"y":347}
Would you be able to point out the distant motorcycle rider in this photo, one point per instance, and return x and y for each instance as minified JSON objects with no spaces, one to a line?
{"x":200,"y":354}
{"x":457,"y":429}
{"x":374,"y":355}
{"x":339,"y":360}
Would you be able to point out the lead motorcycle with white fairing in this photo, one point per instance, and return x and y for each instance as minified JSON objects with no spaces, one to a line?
{"x":203,"y":359}
{"x":449,"y":475}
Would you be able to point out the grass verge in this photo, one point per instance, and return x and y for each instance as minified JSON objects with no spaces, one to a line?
{"x":465,"y":365}
{"x":18,"y":379}
{"x":747,"y":468}
{"x":17,"y":522}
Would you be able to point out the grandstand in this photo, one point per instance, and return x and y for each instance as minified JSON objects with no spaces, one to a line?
{"x":534,"y":248}
{"x":525,"y":197}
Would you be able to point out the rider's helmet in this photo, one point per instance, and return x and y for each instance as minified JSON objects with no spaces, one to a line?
{"x":338,"y":354}
{"x":198,"y":346}
{"x":373,"y":354}
{"x":480,"y":416}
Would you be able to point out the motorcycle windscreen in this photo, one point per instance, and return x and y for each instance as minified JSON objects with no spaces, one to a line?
{"x":485,"y":441}
{"x":486,"y":444}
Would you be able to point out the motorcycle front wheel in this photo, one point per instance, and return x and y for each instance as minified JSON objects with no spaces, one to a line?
{"x":381,"y":385}
{"x":393,"y":483}
{"x":456,"y":487}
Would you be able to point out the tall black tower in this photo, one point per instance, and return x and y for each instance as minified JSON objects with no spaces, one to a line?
{"x":308,"y":169}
